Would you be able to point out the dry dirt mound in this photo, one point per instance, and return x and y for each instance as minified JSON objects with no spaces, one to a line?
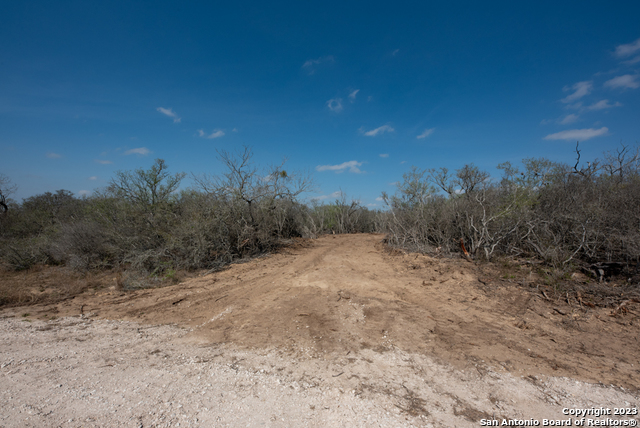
{"x":432,"y":341}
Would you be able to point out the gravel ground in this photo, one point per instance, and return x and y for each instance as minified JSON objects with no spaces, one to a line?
{"x":80,"y":371}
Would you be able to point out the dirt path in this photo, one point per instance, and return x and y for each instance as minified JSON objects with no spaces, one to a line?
{"x":336,"y":332}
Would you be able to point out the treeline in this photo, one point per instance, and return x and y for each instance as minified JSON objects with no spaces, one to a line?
{"x":141,"y":223}
{"x":559,"y":213}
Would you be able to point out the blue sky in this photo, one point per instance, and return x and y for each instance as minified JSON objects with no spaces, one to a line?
{"x":353,"y":93}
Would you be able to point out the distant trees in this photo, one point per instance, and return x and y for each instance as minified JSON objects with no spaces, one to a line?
{"x":562,"y":214}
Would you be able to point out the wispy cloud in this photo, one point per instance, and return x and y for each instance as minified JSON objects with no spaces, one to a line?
{"x":384,"y":155}
{"x":628,"y":49}
{"x":335,"y":105}
{"x":310,"y":65}
{"x":352,"y":95}
{"x":217,"y":133}
{"x":352,"y":166}
{"x":379,"y":199}
{"x":52,"y":155}
{"x":103,"y":162}
{"x":333,"y":195}
{"x":170,"y":113}
{"x":139,"y":151}
{"x":394,"y":53}
{"x":602,"y":105}
{"x":577,"y":134}
{"x":570,"y":118}
{"x":580,"y":89}
{"x":380,"y":130}
{"x":626,"y":81}
{"x":93,"y":178}
{"x":426,"y":133}
{"x":84,"y":192}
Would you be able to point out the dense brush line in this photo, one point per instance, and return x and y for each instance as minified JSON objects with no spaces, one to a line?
{"x":552,"y":211}
{"x":140,"y":222}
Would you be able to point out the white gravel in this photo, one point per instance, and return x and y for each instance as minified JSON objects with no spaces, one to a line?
{"x":79,"y":372}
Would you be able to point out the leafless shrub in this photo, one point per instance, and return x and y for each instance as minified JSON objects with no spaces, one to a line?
{"x":21,"y":254}
{"x":82,"y":245}
{"x":258,"y":206}
{"x":340,"y":216}
{"x":562,"y":214}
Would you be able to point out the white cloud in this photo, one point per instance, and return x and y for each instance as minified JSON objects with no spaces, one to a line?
{"x":51,"y":155}
{"x":335,"y":105}
{"x":625,"y":81}
{"x":310,"y":64}
{"x":394,"y":53}
{"x":372,"y":205}
{"x":632,"y":60}
{"x":379,"y":198}
{"x":103,"y":162}
{"x":380,"y":130}
{"x":370,"y":98}
{"x":234,"y":130}
{"x":84,"y":192}
{"x":602,"y":105}
{"x":352,"y":95}
{"x":139,"y":151}
{"x":577,"y":134}
{"x":93,"y":178}
{"x":570,"y":118}
{"x":580,"y":90}
{"x":426,"y":133}
{"x":217,"y":133}
{"x":333,"y":195}
{"x":353,"y":166}
{"x":170,"y":113}
{"x":628,"y":49}
{"x":384,"y":155}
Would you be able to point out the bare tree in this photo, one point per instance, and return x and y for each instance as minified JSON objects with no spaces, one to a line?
{"x":6,"y":189}
{"x":469,"y":178}
{"x":244,"y":181}
{"x":147,"y":188}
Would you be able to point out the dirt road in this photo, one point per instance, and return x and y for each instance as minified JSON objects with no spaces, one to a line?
{"x":331,"y":332}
